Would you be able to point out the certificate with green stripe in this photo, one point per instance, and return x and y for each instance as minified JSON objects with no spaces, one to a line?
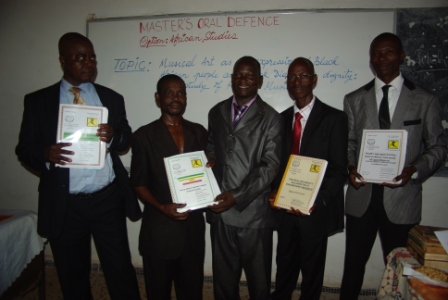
{"x":78,"y":125}
{"x":191,"y":182}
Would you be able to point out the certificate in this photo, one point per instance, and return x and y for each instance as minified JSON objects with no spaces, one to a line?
{"x":382,"y":155}
{"x":78,"y":124}
{"x":301,"y":183}
{"x":191,"y":182}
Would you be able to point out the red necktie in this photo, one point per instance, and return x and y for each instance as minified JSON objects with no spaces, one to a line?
{"x":296,"y":134}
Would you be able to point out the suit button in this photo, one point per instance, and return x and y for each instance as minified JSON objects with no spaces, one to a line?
{"x":229,"y":150}
{"x":231,"y":135}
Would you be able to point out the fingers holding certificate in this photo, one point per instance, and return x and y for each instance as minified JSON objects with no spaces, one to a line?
{"x":83,"y":135}
{"x":300,"y":184}
{"x":382,"y":156}
{"x":191,"y":182}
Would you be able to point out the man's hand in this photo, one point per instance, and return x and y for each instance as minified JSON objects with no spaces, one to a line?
{"x":272,"y":197}
{"x":170,"y":210}
{"x":353,"y":175}
{"x":55,"y":154}
{"x":211,"y":162}
{"x":105,"y":132}
{"x":297,"y":212}
{"x":225,"y":202}
{"x":405,"y":176}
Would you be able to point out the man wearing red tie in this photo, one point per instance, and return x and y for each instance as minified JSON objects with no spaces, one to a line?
{"x":312,"y":129}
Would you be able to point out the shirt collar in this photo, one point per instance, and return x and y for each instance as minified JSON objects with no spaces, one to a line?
{"x":397,"y":83}
{"x":86,"y":86}
{"x":305,"y":111}
{"x":248,"y":104}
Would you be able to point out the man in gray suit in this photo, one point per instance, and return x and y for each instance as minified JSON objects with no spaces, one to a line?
{"x":244,"y":145}
{"x":390,"y":209}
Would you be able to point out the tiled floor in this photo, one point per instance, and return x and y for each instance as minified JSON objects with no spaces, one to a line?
{"x":99,"y":290}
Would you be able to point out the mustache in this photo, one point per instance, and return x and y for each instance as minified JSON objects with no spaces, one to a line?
{"x":175,"y":102}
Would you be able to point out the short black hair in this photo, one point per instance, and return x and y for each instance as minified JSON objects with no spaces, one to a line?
{"x":388,"y":35}
{"x":165,"y":78}
{"x":252,"y":59}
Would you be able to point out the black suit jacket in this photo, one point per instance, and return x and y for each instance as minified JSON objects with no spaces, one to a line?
{"x":38,"y":131}
{"x":325,"y":137}
{"x":160,"y":235}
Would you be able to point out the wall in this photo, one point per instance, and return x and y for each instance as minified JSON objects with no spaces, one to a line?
{"x":29,"y":31}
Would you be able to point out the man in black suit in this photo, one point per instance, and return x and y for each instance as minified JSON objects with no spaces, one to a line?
{"x":243,"y":146}
{"x":76,"y":204}
{"x":323,"y":132}
{"x":172,"y":244}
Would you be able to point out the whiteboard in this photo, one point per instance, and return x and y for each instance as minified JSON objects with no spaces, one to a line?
{"x":133,"y":53}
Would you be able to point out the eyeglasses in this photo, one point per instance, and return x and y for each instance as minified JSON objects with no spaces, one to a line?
{"x":303,"y":77}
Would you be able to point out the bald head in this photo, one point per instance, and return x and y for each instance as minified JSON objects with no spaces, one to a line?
{"x":77,"y":58}
{"x":68,"y":40}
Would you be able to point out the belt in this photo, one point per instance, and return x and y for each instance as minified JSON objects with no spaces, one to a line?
{"x":96,"y":193}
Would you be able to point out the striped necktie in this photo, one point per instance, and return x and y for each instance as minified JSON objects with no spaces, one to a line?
{"x":77,"y":100}
{"x":239,"y":111}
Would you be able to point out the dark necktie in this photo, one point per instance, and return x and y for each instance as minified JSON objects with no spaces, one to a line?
{"x":383,"y":115}
{"x":238,"y":112}
{"x":296,"y":134}
{"x":77,"y":100}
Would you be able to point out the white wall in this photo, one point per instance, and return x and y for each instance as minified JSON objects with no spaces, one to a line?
{"x":29,"y":31}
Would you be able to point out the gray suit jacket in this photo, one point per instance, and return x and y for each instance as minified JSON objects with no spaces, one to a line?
{"x":418,"y":112}
{"x":247,"y":160}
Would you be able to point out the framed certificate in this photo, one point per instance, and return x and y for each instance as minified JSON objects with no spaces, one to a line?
{"x":78,"y":124}
{"x":190,"y":181}
{"x":301,"y":183}
{"x":382,"y":155}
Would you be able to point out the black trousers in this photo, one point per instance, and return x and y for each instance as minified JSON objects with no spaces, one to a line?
{"x":235,"y":249}
{"x":360,"y":237}
{"x":186,"y":271}
{"x":297,"y":252}
{"x":103,"y":218}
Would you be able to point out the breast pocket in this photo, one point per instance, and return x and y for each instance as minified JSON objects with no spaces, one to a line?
{"x":412,"y":122}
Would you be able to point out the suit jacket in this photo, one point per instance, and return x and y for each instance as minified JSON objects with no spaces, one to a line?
{"x":325,"y":137}
{"x":247,"y":160}
{"x":160,"y":235}
{"x":418,"y":112}
{"x":38,"y":131}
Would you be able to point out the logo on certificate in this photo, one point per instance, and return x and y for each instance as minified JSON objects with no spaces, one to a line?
{"x":92,"y":122}
{"x":196,"y":163}
{"x":315,"y":168}
{"x":393,"y":144}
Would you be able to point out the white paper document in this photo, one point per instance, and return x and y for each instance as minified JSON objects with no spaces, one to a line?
{"x":78,"y":124}
{"x":382,"y":155}
{"x":190,"y":181}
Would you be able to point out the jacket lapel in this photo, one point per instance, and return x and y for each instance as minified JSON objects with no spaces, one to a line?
{"x":52,"y":108}
{"x":403,"y":104}
{"x":288,"y":117}
{"x":371,"y":106}
{"x":311,"y":123}
{"x":253,"y":112}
